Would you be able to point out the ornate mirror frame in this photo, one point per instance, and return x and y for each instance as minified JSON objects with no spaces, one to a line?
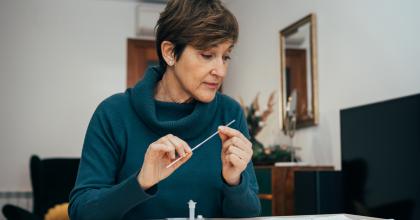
{"x":304,"y":81}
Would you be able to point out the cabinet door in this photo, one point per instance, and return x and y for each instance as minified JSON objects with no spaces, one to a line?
{"x":265,"y":193}
{"x":277,"y":187}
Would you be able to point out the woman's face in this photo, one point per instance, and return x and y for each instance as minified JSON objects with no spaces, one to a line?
{"x":201,"y":72}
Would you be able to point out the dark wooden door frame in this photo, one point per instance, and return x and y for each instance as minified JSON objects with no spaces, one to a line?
{"x":139,"y":54}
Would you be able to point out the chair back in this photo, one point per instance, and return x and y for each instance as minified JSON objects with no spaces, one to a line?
{"x":52,"y":180}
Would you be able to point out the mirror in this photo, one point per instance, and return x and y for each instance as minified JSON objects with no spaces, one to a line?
{"x":299,"y":72}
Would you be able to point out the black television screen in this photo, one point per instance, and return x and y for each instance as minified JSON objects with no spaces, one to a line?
{"x":380,"y":147}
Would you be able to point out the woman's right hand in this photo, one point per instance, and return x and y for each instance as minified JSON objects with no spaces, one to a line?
{"x":160,"y":154}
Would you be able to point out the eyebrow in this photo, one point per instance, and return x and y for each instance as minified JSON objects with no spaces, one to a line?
{"x":230,"y":49}
{"x":215,"y":46}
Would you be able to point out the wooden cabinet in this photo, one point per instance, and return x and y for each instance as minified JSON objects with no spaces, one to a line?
{"x":277,"y":187}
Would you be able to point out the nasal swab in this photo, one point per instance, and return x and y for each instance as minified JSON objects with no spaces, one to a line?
{"x":198,"y":145}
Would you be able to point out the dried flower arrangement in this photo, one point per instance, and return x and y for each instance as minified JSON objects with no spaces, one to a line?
{"x":256,"y":119}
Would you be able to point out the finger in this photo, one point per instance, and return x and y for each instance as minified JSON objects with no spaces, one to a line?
{"x":223,"y":136}
{"x":227,"y":131}
{"x":185,"y":145}
{"x":179,"y":144}
{"x":238,"y":152}
{"x":226,"y":144}
{"x":161,"y":148}
{"x":186,"y":157}
{"x":230,"y":131}
{"x":235,"y":160}
{"x":244,"y":144}
{"x":182,"y":161}
{"x":172,"y":146}
{"x":164,"y":140}
{"x":233,"y":141}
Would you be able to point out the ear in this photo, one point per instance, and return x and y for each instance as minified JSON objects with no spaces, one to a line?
{"x":167,"y":49}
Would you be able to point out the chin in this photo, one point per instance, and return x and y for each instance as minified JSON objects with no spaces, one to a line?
{"x":206,"y":98}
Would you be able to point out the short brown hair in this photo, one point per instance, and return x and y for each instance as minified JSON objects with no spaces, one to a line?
{"x":199,"y":23}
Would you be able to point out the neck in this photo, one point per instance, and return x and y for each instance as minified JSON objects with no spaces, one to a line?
{"x":169,"y":89}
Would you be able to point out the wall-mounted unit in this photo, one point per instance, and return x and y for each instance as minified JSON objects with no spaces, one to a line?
{"x":147,"y":15}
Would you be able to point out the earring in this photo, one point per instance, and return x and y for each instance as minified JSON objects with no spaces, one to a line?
{"x":171,"y":62}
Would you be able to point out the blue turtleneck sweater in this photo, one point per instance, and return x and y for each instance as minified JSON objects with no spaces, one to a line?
{"x":117,"y":137}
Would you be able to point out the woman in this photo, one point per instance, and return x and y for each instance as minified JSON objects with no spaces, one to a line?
{"x":132,"y":137}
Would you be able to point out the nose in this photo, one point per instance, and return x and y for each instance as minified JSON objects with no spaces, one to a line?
{"x":219,"y":68}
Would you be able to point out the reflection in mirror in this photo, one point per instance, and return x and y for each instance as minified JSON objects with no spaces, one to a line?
{"x":299,"y":71}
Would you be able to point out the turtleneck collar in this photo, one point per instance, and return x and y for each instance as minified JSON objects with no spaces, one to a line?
{"x":144,"y":104}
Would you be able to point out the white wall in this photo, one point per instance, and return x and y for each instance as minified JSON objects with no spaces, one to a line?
{"x":58,"y":60}
{"x":368,"y":51}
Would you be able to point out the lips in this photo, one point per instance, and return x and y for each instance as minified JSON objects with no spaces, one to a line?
{"x":212,"y":85}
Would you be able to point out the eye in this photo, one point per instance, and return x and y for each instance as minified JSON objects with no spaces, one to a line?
{"x":226,"y":58}
{"x":206,"y":56}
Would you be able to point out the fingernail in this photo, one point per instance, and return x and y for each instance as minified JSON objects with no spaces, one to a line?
{"x":221,"y":128}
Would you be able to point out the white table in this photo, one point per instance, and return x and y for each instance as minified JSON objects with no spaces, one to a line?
{"x":303,"y":217}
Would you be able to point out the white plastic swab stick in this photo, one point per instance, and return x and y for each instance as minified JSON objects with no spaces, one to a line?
{"x":198,"y":145}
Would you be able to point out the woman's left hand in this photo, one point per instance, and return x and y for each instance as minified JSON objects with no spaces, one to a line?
{"x":236,"y":154}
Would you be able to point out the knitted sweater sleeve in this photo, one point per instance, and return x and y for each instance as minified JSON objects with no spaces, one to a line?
{"x":96,"y":194}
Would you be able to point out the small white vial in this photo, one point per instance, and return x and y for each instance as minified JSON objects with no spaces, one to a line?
{"x":191,"y":205}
